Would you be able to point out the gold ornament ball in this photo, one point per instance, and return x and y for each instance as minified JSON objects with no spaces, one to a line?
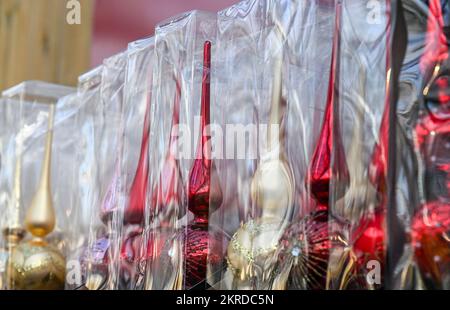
{"x":35,"y":265}
{"x":252,"y":248}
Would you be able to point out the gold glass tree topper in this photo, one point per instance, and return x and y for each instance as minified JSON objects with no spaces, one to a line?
{"x":35,"y":264}
{"x":251,"y":250}
{"x":40,"y":218}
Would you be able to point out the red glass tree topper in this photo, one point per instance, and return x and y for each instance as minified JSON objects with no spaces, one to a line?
{"x":201,"y":195}
{"x":134,"y":214}
{"x":323,"y":167}
{"x":200,"y":175}
{"x":369,"y":234}
{"x":166,"y":198}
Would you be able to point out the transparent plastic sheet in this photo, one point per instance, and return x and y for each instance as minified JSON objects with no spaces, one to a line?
{"x":9,"y":176}
{"x":88,"y":97}
{"x":167,"y":204}
{"x":64,"y":169}
{"x":303,"y":252}
{"x":37,"y":151}
{"x":8,"y":153}
{"x":358,"y":187}
{"x":421,"y":212}
{"x":107,"y":221}
{"x":179,"y":249}
{"x":135,"y":162}
{"x":259,"y":192}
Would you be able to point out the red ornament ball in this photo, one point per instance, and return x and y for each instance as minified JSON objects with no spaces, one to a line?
{"x":305,"y":246}
{"x":369,"y":240}
{"x":430,"y":240}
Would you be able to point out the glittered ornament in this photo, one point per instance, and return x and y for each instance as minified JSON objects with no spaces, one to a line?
{"x":431,"y":244}
{"x":12,"y":237}
{"x":199,"y":254}
{"x":36,"y":265}
{"x":196,"y":251}
{"x":251,"y":253}
{"x":303,"y":254}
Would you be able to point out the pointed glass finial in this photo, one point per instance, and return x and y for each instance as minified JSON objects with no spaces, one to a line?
{"x":167,"y":196}
{"x":328,"y":159}
{"x":134,"y":214}
{"x":40,"y":218}
{"x":201,"y":195}
{"x":369,"y":236}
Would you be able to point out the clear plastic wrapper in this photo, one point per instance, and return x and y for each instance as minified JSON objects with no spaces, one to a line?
{"x":358,"y":198}
{"x":79,"y":217}
{"x":167,"y":193}
{"x":4,"y":159}
{"x":301,"y":259}
{"x":135,"y":162}
{"x":107,"y":221}
{"x":420,"y":216}
{"x":37,"y":178}
{"x":179,"y":250}
{"x":259,"y":193}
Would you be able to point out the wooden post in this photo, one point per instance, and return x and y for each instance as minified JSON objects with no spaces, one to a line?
{"x":37,"y":43}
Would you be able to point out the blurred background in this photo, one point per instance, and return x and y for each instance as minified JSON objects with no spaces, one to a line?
{"x":37,"y":43}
